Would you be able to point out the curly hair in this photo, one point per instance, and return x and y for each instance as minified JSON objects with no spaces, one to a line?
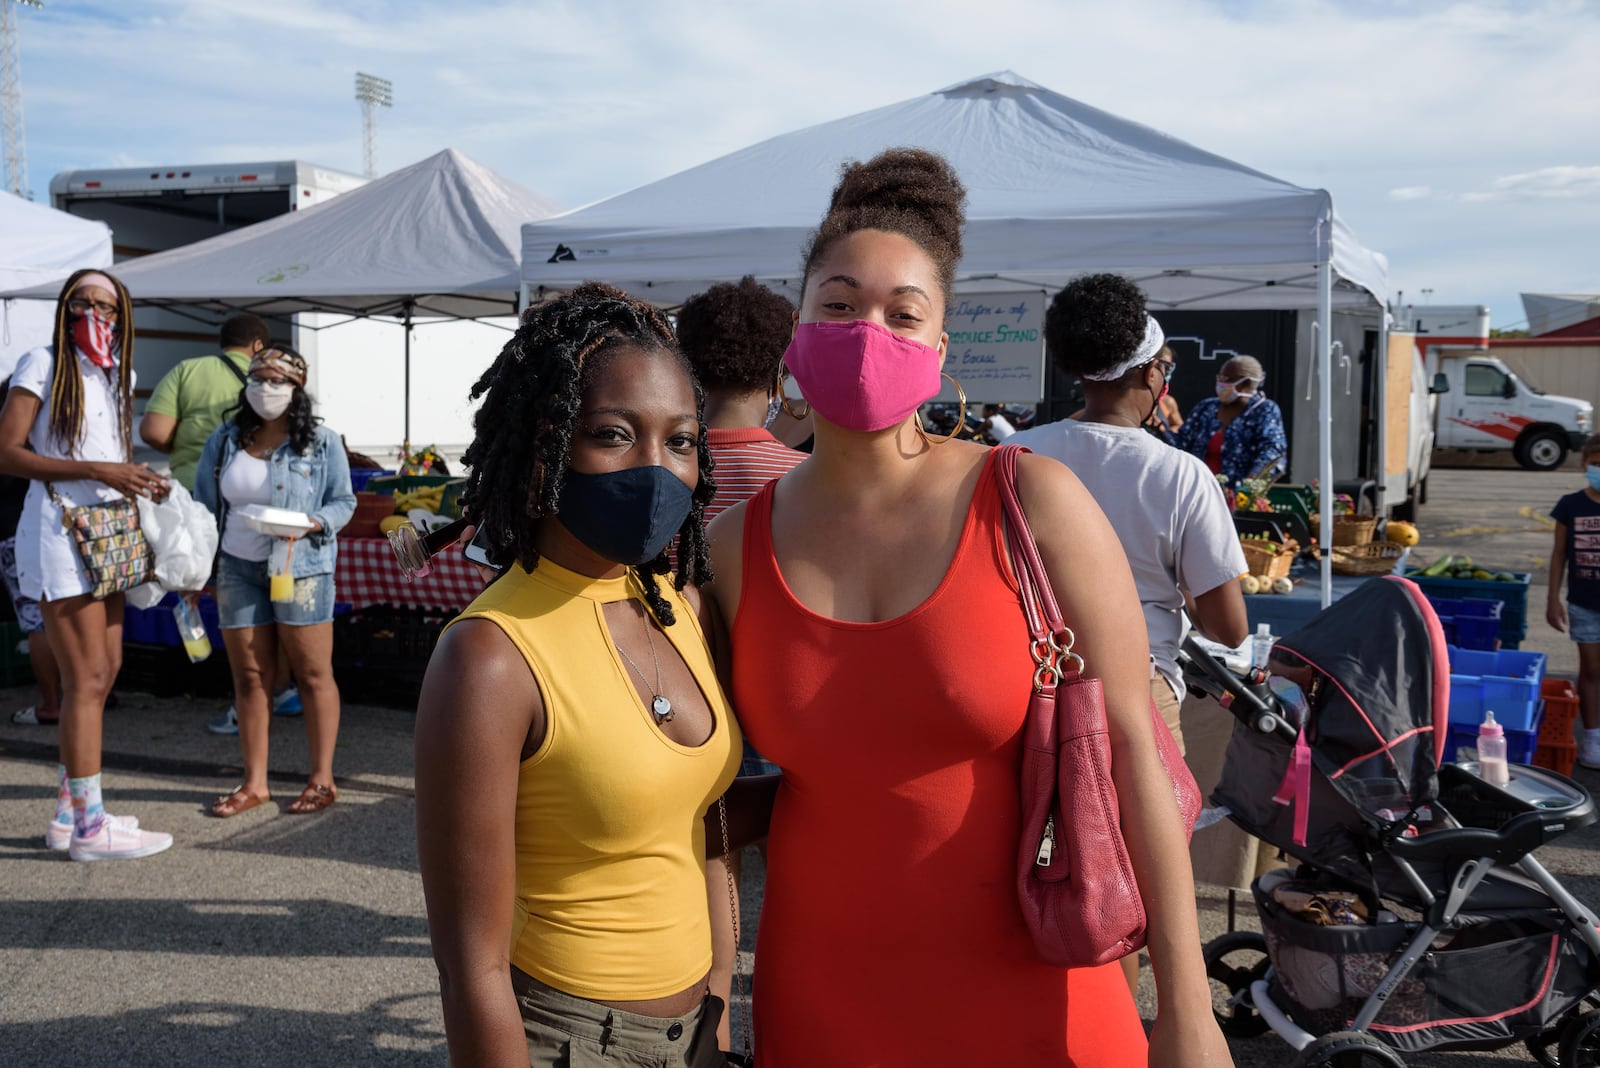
{"x":66,"y":386}
{"x":906,"y":191}
{"x":522,"y":434}
{"x":734,"y":335}
{"x":302,"y":423}
{"x":1095,"y":323}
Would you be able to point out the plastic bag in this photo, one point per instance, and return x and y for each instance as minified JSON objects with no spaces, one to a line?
{"x":183,"y":536}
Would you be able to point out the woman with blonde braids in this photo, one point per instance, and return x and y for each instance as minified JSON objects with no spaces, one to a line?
{"x":67,"y":425}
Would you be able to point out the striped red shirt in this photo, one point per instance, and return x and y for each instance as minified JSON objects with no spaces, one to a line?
{"x":746,"y":459}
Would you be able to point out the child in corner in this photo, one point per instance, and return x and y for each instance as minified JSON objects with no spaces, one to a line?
{"x":1577,"y":517}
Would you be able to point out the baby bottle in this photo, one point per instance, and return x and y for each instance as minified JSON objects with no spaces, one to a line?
{"x":1492,"y":766}
{"x":191,"y":629}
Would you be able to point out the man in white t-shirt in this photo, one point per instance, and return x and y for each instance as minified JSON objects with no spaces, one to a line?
{"x":1164,"y":504}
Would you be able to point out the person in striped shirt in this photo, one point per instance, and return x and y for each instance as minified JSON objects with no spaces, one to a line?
{"x":734,"y":336}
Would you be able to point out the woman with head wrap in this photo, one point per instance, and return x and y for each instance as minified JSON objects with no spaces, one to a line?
{"x":275,"y":452}
{"x":1239,"y":432}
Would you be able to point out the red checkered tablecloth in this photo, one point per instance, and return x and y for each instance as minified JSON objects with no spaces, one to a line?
{"x":368,"y":573}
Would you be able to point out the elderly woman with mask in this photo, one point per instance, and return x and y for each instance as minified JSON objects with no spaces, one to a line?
{"x":1239,"y":432}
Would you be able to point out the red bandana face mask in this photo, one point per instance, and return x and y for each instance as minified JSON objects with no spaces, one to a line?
{"x":95,"y":336}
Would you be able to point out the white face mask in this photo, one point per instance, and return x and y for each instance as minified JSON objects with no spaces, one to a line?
{"x":269,"y":401}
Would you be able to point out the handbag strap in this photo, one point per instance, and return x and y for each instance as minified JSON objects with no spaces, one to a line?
{"x":1052,"y":638}
{"x":243,"y":378}
{"x":733,"y":907}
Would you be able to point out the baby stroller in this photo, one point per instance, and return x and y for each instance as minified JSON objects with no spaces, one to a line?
{"x":1417,"y":917}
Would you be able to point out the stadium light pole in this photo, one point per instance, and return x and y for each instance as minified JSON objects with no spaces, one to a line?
{"x":16,"y":152}
{"x":372,"y":92}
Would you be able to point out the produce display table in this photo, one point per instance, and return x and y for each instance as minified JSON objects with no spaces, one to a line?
{"x":368,"y":574}
{"x":1285,"y":613}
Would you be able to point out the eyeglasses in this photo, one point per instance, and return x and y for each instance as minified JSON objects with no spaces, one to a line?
{"x":1168,"y":369}
{"x":1229,"y":380}
{"x":80,"y":306}
{"x":270,"y":380}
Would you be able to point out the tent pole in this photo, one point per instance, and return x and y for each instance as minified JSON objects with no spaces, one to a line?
{"x":406,"y":446}
{"x":1324,"y":342}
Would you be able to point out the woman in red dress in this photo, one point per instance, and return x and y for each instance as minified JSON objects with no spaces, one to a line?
{"x":879,"y":656}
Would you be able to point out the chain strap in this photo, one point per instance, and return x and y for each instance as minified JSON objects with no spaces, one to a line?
{"x":733,"y":908}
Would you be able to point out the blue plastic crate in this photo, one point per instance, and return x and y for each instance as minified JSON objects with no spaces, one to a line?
{"x":360,"y":476}
{"x":1469,"y":623}
{"x":1506,"y":681}
{"x":1520,"y":745}
{"x":1513,"y":595}
{"x":156,"y":626}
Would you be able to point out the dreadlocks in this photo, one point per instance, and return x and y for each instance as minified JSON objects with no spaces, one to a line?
{"x":66,"y":388}
{"x":533,"y":394}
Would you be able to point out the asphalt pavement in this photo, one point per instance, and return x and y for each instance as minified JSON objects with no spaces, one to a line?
{"x":272,"y":939}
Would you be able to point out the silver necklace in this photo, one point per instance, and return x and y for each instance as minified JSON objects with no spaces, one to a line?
{"x":660,"y":707}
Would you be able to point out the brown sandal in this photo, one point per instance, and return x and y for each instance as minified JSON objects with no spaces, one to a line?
{"x":314,"y":798}
{"x":241,"y":800}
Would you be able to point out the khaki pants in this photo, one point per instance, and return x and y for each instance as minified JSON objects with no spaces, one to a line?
{"x":1166,"y":700}
{"x":568,"y":1032}
{"x":1222,"y":854}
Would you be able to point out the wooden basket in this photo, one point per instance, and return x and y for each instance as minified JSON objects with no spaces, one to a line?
{"x":1376,"y":558}
{"x":1348,"y":529}
{"x":1263,"y":562}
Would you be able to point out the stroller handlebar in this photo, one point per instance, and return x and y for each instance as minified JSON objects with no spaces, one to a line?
{"x":1250,"y":701}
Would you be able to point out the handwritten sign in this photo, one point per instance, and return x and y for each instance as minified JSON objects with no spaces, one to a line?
{"x":996,"y":348}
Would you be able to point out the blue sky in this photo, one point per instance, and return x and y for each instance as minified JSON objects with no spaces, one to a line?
{"x":1458,"y":138}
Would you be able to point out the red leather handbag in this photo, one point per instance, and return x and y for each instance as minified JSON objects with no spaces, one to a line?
{"x":1074,"y":879}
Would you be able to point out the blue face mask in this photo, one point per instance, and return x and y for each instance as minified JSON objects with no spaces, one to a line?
{"x":1592,"y":472}
{"x":627,"y":516}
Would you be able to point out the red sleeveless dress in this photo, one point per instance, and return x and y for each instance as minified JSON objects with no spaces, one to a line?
{"x":890,"y":933}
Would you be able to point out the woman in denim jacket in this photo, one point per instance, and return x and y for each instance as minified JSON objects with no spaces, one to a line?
{"x":274,"y":452}
{"x":1239,"y":432}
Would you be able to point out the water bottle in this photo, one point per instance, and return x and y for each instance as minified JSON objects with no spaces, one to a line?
{"x":192,"y":630}
{"x":1492,"y":765}
{"x":1261,"y":646}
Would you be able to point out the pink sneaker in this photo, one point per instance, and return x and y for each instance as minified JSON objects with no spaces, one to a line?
{"x":59,"y":835}
{"x":112,"y":842}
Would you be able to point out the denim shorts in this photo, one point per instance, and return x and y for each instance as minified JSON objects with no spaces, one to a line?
{"x":244,"y":597}
{"x":1583,"y":624}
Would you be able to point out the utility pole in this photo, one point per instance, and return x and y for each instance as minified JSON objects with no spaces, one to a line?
{"x":16,"y":152}
{"x":372,"y":92}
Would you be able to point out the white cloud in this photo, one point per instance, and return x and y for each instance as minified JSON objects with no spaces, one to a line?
{"x":1411,"y":192}
{"x":1547,"y":183}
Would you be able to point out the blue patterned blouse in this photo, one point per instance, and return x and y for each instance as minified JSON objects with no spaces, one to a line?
{"x":1253,"y":445}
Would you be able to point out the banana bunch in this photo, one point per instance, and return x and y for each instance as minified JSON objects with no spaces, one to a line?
{"x":427,"y":498}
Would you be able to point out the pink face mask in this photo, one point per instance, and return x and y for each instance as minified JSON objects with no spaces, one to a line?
{"x":862,"y":376}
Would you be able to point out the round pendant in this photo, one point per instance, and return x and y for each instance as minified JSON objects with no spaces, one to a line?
{"x":661,"y":708}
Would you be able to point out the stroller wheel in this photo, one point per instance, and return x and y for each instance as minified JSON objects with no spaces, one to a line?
{"x":1580,"y":1042}
{"x":1348,"y":1049}
{"x":1233,"y":962}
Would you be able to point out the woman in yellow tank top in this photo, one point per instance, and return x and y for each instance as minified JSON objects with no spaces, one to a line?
{"x":571,"y":734}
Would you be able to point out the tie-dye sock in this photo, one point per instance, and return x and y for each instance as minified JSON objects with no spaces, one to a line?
{"x":88,"y":811}
{"x":63,"y":797}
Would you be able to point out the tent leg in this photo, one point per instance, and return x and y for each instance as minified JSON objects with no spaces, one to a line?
{"x":406,"y":439}
{"x":1324,"y":343}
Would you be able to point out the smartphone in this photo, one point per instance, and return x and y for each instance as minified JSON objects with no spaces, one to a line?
{"x":478,"y":550}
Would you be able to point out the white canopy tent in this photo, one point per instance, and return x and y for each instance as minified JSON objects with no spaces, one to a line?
{"x":39,"y":247}
{"x":1055,"y":188}
{"x":437,"y":239}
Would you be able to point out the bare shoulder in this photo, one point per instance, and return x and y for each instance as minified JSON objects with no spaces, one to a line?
{"x":477,"y":674}
{"x":725,"y":534}
{"x":1052,"y":496}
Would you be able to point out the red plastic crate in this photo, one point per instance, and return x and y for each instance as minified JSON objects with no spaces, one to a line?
{"x":1560,"y":713}
{"x":1558,"y":758}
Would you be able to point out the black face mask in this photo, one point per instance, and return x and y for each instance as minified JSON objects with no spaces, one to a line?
{"x":626,"y":516}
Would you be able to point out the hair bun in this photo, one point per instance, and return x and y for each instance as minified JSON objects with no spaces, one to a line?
{"x":911,"y":180}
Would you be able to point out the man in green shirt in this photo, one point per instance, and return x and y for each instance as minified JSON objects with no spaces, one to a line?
{"x":189,"y":401}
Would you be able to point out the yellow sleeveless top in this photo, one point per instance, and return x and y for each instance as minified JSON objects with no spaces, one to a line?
{"x":610,"y":845}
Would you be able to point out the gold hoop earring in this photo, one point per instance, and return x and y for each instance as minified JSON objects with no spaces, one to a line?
{"x":961,"y":416}
{"x":783,"y":398}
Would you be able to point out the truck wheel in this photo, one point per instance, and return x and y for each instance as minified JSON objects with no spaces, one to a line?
{"x":1543,"y":450}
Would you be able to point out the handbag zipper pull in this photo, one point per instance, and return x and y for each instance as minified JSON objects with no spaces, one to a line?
{"x":1047,"y":843}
